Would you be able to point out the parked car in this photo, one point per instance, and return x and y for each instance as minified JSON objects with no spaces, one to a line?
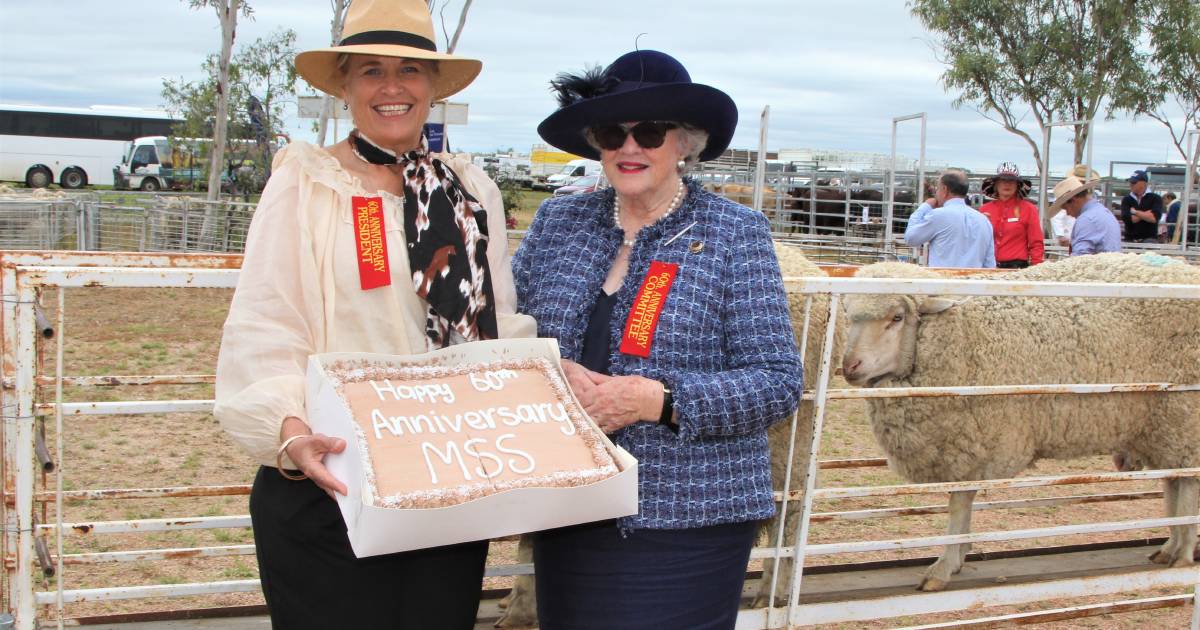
{"x":585,"y":184}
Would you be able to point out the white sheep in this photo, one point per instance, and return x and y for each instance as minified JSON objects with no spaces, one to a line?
{"x":915,"y":341}
{"x":520,"y":606}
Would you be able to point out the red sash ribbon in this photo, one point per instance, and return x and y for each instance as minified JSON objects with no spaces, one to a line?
{"x":647,"y":306}
{"x":371,"y":240}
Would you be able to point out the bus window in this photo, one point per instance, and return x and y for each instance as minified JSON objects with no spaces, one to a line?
{"x":115,"y":128}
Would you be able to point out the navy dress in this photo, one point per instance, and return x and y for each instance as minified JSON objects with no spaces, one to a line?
{"x":656,"y":579}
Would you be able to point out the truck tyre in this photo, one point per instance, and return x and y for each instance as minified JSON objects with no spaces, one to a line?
{"x":73,"y":178}
{"x":150,"y":184}
{"x":38,"y":177}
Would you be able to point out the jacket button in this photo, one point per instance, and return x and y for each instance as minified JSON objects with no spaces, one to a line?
{"x":696,"y":247}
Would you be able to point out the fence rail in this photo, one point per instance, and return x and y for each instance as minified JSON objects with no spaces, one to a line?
{"x":124,"y":223}
{"x":24,"y":275}
{"x":836,"y":216}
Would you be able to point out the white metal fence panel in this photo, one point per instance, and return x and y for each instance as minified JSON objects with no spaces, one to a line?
{"x":23,"y":276}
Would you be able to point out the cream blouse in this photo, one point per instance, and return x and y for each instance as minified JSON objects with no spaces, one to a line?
{"x":298,"y":293}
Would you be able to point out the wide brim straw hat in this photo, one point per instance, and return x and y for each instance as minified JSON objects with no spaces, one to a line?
{"x":1068,"y":188}
{"x":639,"y":86}
{"x":1007,"y":172}
{"x":388,"y":28}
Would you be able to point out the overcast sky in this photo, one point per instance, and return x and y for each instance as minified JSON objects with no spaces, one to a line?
{"x":834,"y":74}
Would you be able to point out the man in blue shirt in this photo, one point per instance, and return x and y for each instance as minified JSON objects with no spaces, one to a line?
{"x":958,"y":235}
{"x":1096,"y":229}
{"x":1173,"y":205}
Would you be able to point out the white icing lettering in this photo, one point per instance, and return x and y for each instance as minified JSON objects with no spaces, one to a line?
{"x":398,"y":420}
{"x":417,"y":420}
{"x":512,"y":463}
{"x":432,"y":392}
{"x":444,"y":421}
{"x":386,"y":387}
{"x":568,"y":427}
{"x":482,"y":472}
{"x":487,"y":414}
{"x":380,"y":421}
{"x":490,"y":380}
{"x":527,"y":413}
{"x":475,"y":420}
{"x":447,"y":458}
{"x":507,"y":417}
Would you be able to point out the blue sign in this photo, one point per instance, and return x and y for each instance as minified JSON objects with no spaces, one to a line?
{"x":436,"y":133}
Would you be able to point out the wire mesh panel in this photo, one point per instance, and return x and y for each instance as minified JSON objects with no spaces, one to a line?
{"x":117,"y":228}
{"x":33,"y":224}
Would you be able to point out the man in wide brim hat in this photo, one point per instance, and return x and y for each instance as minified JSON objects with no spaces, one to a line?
{"x":1068,"y":188}
{"x":365,"y":34}
{"x":1096,"y":230}
{"x":638,"y":86}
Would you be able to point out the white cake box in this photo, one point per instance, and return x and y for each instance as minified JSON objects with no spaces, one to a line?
{"x":377,"y":530}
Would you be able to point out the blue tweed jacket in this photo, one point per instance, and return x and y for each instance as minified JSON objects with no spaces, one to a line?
{"x":724,"y":344}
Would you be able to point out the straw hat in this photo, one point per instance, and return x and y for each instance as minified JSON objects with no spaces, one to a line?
{"x":1068,"y":188}
{"x":389,"y":28}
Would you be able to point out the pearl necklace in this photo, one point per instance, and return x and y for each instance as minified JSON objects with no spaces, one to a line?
{"x":675,"y":203}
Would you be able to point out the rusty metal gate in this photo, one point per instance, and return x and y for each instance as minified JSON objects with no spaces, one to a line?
{"x":30,"y":544}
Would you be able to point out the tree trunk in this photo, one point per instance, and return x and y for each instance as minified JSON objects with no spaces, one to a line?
{"x":462,"y":21}
{"x":335,"y":35}
{"x":1082,"y":138}
{"x":227,"y":11}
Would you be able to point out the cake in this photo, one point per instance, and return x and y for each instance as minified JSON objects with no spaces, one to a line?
{"x":434,"y":436}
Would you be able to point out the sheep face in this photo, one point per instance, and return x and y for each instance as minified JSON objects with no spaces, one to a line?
{"x":881,"y":341}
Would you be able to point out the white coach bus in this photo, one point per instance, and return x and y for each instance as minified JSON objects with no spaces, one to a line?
{"x":71,"y":146}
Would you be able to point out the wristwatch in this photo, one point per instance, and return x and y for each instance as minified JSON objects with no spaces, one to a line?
{"x":665,"y":418}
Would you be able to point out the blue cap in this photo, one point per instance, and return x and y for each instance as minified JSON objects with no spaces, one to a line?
{"x":1139,"y":176}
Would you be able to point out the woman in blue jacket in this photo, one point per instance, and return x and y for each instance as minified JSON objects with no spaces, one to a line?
{"x":669,"y":309}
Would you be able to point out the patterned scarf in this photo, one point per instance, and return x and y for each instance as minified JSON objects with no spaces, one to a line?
{"x":445,"y":230}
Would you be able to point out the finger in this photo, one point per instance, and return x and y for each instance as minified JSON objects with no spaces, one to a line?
{"x":321,"y":476}
{"x":320,"y":444}
{"x":578,"y":382}
{"x":597,"y":378}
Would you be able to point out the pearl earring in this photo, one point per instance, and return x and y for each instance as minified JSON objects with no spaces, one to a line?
{"x":680,"y":165}
{"x":345,"y":106}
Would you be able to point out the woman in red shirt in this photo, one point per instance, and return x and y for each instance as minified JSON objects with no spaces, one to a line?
{"x":1016,"y":229}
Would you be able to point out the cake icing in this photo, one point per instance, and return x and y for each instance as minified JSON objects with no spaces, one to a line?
{"x":436,"y":435}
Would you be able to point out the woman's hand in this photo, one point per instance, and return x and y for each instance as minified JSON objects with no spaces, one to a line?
{"x":619,"y":401}
{"x":308,"y":454}
{"x":579,"y":380}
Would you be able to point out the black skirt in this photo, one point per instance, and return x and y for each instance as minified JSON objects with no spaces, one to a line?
{"x":592,"y":577}
{"x":311,"y":579}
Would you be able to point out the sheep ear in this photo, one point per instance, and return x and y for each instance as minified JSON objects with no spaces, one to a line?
{"x":933,"y":305}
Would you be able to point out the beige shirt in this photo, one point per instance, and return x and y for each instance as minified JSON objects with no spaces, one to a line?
{"x":298,"y":293}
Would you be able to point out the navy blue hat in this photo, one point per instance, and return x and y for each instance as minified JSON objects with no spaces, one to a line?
{"x":638,"y":86}
{"x":1139,"y":176}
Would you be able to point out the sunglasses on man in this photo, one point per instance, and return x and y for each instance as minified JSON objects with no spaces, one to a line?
{"x":648,"y":134}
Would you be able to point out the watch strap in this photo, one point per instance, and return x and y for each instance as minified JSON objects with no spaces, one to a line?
{"x":665,"y":418}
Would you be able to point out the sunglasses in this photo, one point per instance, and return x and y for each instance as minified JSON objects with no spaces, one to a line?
{"x":649,"y":134}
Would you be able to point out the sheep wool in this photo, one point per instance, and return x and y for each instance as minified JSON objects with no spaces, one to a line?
{"x":1028,"y":340}
{"x":794,"y":264}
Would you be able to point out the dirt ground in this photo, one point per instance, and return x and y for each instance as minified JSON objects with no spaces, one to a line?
{"x":176,"y":331}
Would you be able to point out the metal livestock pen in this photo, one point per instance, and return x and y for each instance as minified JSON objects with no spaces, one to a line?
{"x":817,"y":595}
